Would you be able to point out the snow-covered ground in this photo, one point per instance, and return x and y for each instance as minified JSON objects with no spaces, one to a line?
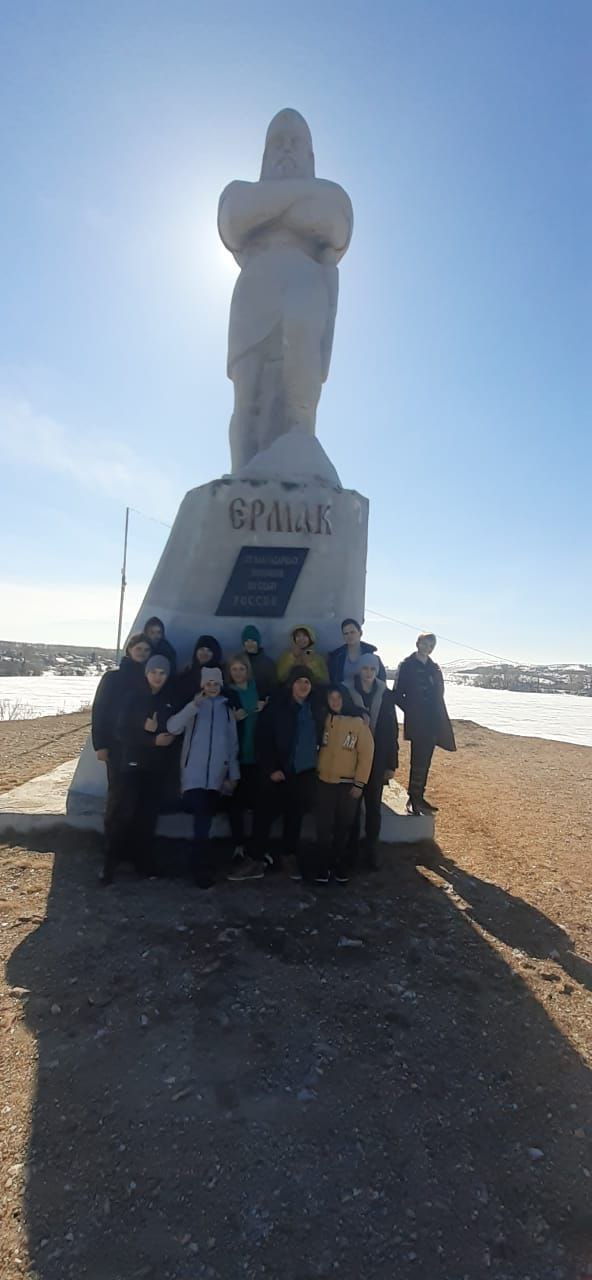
{"x":561,"y":716}
{"x":538,"y":715}
{"x":26,"y":697}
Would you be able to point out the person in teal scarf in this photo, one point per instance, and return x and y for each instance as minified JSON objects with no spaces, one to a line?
{"x":246,"y":704}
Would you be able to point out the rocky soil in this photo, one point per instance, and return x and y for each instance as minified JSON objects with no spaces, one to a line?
{"x":382,"y":1081}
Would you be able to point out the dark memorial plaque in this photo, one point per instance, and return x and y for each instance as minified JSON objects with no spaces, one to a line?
{"x":261,"y":582}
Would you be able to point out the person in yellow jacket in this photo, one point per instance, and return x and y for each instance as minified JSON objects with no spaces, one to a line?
{"x":344,"y":764}
{"x":302,"y":654}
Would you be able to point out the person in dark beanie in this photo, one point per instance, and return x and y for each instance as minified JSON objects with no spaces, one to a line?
{"x":344,"y":764}
{"x":108,"y":701}
{"x":142,"y":735}
{"x":371,"y":695}
{"x":419,"y":692}
{"x":209,"y":763}
{"x":207,"y":653}
{"x":287,"y":737}
{"x":344,"y":662}
{"x":154,"y":629}
{"x":262,"y":666}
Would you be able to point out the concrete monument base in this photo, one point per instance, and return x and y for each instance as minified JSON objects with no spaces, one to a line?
{"x":40,"y":805}
{"x":245,"y":549}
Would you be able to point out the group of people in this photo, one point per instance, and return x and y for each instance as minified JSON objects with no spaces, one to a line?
{"x":303,"y":735}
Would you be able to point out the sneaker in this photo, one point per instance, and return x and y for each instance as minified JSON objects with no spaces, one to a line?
{"x":426,"y":807}
{"x":413,"y":808}
{"x":322,"y":877}
{"x":238,"y":852}
{"x":248,"y":869}
{"x":341,"y":877}
{"x":292,"y":868}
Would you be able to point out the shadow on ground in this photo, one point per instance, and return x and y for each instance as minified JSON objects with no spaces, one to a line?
{"x":512,"y":920}
{"x":273,"y":1081}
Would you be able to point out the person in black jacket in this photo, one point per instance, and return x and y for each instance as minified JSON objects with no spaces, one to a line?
{"x":142,"y":735}
{"x":112,"y":689}
{"x":371,"y":695}
{"x":419,"y":692}
{"x":287,"y":738}
{"x":207,"y":653}
{"x":154,"y":629}
{"x":344,"y":662}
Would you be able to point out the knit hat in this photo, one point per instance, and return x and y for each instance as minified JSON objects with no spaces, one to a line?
{"x":369,"y":660}
{"x":211,"y":673}
{"x":251,"y":633}
{"x":154,"y":622}
{"x":208,"y":642}
{"x":298,"y":673}
{"x":158,"y":662}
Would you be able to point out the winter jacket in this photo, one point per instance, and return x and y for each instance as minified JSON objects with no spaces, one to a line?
{"x":382,"y":714}
{"x":276,"y":732}
{"x":245,"y":700}
{"x":209,"y":754}
{"x":188,"y":682}
{"x":347,"y":750}
{"x":138,"y":748}
{"x":264,"y":672}
{"x":419,"y":692}
{"x":336,"y":661}
{"x":314,"y":662}
{"x":108,"y":702}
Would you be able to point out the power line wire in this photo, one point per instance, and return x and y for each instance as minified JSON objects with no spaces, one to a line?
{"x":152,"y":518}
{"x":512,"y":662}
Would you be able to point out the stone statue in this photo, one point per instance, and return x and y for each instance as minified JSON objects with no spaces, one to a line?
{"x":287,"y":232}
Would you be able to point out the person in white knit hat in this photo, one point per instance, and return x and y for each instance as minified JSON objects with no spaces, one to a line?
{"x":209,"y":762}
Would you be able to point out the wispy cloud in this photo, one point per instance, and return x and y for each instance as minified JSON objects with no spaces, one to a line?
{"x":34,"y":439}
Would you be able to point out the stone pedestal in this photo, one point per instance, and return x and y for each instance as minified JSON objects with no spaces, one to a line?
{"x":273,"y":552}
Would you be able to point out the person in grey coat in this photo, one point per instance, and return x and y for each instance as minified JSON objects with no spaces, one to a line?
{"x":209,"y":762}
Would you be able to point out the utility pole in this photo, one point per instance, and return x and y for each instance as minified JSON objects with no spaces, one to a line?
{"x":123,"y":583}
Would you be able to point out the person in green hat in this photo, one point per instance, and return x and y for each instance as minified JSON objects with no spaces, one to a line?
{"x":263,"y":668}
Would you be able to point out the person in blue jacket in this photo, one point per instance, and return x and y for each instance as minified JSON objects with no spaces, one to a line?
{"x":344,"y":662}
{"x":209,"y":762}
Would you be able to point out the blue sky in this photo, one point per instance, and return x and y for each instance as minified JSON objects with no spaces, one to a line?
{"x":459,"y":394}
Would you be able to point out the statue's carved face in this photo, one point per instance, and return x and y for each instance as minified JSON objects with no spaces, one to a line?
{"x":288,"y":154}
{"x":288,"y":148}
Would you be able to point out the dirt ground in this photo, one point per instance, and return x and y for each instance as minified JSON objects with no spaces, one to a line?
{"x":31,"y":747}
{"x":379,"y":1082}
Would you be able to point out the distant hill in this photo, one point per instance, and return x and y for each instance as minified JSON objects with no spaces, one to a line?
{"x":18,"y":658}
{"x":532,"y":678}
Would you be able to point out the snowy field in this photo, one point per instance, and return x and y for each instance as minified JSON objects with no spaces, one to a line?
{"x":538,"y":715}
{"x":561,"y":716}
{"x":26,"y":697}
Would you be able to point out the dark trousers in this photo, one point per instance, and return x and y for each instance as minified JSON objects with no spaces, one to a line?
{"x":336,"y":813}
{"x":422,"y":750}
{"x":202,"y":805}
{"x":133,"y":804}
{"x":372,"y":803}
{"x":243,"y":799}
{"x":290,"y":799}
